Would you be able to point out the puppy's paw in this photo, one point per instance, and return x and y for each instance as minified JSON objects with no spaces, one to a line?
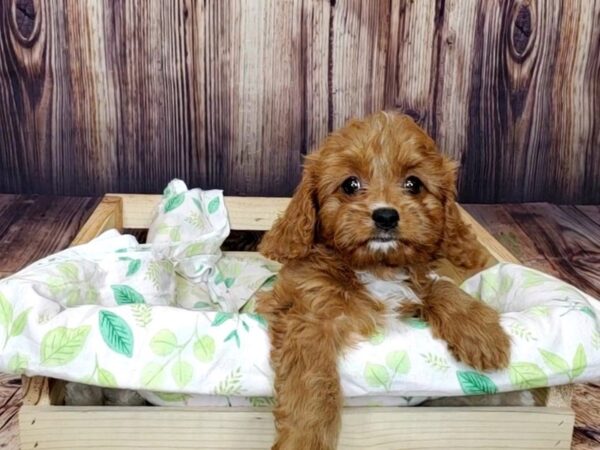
{"x":478,"y":339}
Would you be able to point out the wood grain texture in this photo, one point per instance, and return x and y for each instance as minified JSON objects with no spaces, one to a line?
{"x":565,"y":242}
{"x":100,"y":95}
{"x":10,"y":402}
{"x":32,"y":227}
{"x":372,"y":428}
{"x":561,"y":240}
{"x":587,"y":399}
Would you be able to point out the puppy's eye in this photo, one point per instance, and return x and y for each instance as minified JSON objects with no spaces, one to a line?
{"x":413,"y":185}
{"x":351,"y":185}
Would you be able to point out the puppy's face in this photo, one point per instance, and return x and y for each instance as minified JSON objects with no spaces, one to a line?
{"x":381,"y":191}
{"x":377,"y":192}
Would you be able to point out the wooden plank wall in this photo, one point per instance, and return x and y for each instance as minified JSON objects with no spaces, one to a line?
{"x":112,"y":95}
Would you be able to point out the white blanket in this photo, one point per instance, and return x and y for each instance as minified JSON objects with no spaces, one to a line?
{"x":164,"y":317}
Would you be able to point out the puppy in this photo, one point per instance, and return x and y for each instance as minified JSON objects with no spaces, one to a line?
{"x":376,"y":204}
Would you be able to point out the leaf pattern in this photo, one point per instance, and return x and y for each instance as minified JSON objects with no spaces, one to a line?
{"x":142,"y":314}
{"x":475,"y":383}
{"x":172,"y":396}
{"x":126,"y":295}
{"x":436,"y":362}
{"x":518,"y":329}
{"x":533,"y":279}
{"x":133,"y":267}
{"x":213,"y":205}
{"x":198,"y":221}
{"x":376,"y":375}
{"x":116,"y":333}
{"x":164,"y":343}
{"x":261,"y":402}
{"x":178,"y":352}
{"x":555,"y":362}
{"x":579,"y":362}
{"x":156,"y":270}
{"x":194,"y":249}
{"x":18,"y":364}
{"x":526,"y":375}
{"x":204,"y":349}
{"x":398,"y":362}
{"x":182,"y":373}
{"x":152,"y":376}
{"x":19,"y":323}
{"x":231,"y":384}
{"x":174,"y":202}
{"x":221,"y":317}
{"x":106,"y":378}
{"x":541,"y":311}
{"x":235,"y":336}
{"x":61,"y":345}
{"x":6,"y":311}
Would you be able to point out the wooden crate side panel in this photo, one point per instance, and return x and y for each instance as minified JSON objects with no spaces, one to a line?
{"x":245,"y":213}
{"x":372,"y":428}
{"x":107,"y":215}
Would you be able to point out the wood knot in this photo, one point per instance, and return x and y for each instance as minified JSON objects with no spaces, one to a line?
{"x":25,"y":23}
{"x":521,"y":36}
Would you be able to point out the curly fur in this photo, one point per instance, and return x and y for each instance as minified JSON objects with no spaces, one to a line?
{"x":319,"y":307}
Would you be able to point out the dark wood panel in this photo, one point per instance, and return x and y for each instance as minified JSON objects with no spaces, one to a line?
{"x":561,"y":240}
{"x":511,"y":89}
{"x":124,"y":96}
{"x":266,"y":69}
{"x":32,"y":227}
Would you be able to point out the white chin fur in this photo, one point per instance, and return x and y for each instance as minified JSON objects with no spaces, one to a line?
{"x":376,"y":246}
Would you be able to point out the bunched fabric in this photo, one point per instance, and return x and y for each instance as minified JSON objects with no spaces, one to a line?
{"x":174,"y":319}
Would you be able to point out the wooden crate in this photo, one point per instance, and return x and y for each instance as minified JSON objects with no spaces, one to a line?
{"x":45,"y":423}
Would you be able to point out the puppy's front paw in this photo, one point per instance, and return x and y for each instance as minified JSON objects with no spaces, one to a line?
{"x":477,"y":339}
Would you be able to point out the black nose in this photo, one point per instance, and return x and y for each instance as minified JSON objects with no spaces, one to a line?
{"x":386,"y":218}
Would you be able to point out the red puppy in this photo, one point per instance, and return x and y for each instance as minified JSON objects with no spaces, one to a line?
{"x":376,"y":204}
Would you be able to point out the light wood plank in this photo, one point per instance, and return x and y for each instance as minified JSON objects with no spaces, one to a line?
{"x":497,"y":250}
{"x":245,"y":213}
{"x":108,"y":214}
{"x":373,"y":428}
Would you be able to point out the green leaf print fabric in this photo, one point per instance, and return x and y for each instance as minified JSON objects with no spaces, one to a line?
{"x":174,"y":319}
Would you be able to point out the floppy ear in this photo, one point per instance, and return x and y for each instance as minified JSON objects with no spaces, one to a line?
{"x":292,"y":234}
{"x":460,"y":245}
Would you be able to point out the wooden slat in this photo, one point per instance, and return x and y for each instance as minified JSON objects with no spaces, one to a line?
{"x":99,"y":96}
{"x":373,"y":428}
{"x":360,"y":34}
{"x":259,"y":213}
{"x":497,"y":250}
{"x":245,"y":213}
{"x":266,"y":85}
{"x":108,"y":214}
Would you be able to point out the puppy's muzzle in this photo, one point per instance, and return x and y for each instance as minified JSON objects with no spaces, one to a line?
{"x":385,"y":218}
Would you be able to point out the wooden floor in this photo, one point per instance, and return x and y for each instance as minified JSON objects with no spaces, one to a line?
{"x":560,"y":240}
